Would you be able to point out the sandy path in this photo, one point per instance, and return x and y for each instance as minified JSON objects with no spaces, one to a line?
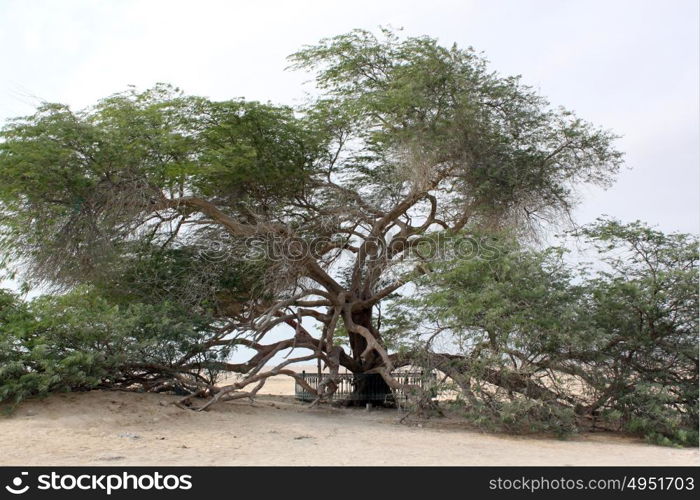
{"x":115,"y":428}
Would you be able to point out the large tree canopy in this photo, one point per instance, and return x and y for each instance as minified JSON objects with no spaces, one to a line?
{"x":262,"y":216}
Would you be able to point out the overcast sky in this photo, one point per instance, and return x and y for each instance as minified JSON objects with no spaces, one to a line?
{"x":631,"y":66}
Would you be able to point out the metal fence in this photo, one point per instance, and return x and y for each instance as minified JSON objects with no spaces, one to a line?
{"x":374,"y":386}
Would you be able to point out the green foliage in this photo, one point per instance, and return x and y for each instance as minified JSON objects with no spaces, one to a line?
{"x":184,"y":277}
{"x":518,"y":416}
{"x":395,"y":116}
{"x":80,"y":341}
{"x":620,"y":343}
{"x":646,"y":308}
{"x":417,"y":106}
{"x":79,"y":184}
{"x":255,"y":151}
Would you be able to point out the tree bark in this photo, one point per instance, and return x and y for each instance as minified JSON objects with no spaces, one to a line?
{"x":368,"y":388}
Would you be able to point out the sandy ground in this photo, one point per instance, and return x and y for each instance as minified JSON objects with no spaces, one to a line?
{"x":118,"y":428}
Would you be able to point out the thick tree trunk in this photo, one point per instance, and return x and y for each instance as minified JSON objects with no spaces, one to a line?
{"x":369,"y":388}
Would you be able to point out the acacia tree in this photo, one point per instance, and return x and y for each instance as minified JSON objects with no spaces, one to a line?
{"x":532,"y":343}
{"x":82,"y":340}
{"x":406,"y":140}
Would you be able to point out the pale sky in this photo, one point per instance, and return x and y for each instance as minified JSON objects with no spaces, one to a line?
{"x":631,"y":66}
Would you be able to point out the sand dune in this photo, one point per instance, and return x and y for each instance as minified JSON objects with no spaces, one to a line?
{"x":118,"y":428}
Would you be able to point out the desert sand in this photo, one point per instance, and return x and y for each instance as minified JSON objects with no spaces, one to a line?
{"x":120,"y":428}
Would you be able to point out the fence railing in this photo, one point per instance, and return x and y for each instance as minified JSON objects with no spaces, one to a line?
{"x":373,"y":386}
